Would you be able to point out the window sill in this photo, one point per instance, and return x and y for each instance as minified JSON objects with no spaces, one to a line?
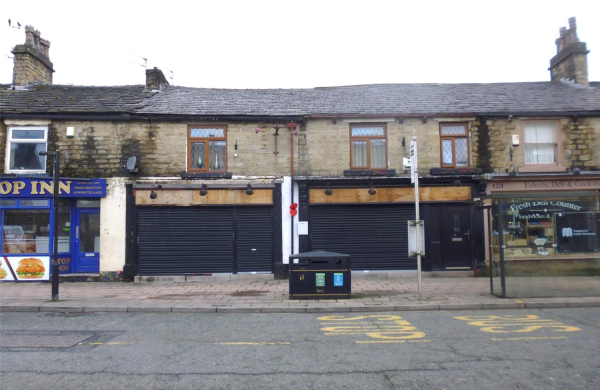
{"x":541,"y":168}
{"x":455,"y":171}
{"x":370,"y":172}
{"x":20,"y":172}
{"x":206,"y":175}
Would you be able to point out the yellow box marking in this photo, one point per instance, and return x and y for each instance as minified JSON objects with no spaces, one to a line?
{"x":385,"y":327}
{"x":516,"y":324}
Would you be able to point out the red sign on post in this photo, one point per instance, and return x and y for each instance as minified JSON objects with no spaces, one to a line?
{"x":294,"y":209}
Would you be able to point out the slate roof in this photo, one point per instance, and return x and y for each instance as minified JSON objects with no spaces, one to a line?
{"x":379,"y":99}
{"x":70,"y":99}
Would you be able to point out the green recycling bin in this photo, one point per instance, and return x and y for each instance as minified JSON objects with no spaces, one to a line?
{"x":320,"y":275}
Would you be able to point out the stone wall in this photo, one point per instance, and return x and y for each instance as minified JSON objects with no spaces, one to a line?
{"x":322,"y":147}
{"x":577,"y":142}
{"x":29,"y":69}
{"x":3,"y":135}
{"x":100,"y":149}
{"x":325,"y":144}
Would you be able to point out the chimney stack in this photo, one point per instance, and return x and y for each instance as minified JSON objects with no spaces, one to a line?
{"x":155,"y":79}
{"x":570,"y":61}
{"x":32,"y":60}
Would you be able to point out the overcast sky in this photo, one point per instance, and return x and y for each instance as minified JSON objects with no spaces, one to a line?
{"x":302,"y":43}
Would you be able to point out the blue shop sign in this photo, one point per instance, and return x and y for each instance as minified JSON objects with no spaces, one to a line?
{"x":93,"y":188}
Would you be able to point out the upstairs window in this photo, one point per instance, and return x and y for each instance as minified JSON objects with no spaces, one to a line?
{"x":207,"y":148}
{"x":368,"y":147}
{"x":541,"y":146}
{"x":23,"y":149}
{"x":454,"y":145}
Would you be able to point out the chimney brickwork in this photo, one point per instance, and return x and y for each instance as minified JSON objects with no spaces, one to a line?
{"x":155,"y":79}
{"x":32,"y":60}
{"x":570,"y":61}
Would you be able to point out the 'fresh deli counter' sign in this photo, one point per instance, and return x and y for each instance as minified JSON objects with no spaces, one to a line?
{"x":94,"y":188}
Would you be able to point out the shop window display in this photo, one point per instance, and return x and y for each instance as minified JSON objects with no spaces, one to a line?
{"x":534,"y":227}
{"x":25,"y":231}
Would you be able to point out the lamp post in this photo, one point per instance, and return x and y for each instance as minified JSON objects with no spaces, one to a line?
{"x":55,"y":183}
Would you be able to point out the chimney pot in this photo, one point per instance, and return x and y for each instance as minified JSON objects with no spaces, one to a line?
{"x":32,"y":60}
{"x":570,"y":61}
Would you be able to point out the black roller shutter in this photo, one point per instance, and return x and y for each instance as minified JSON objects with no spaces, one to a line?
{"x":179,"y":240}
{"x":375,"y":236}
{"x":254,"y":239}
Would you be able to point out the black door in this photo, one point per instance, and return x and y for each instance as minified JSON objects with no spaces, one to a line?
{"x":375,"y":236}
{"x":200,"y":240}
{"x":254,"y":239}
{"x":456,"y":237}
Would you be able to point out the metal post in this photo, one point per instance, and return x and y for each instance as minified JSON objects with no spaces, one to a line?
{"x":501,"y":242}
{"x":56,"y":184}
{"x":417,"y":217}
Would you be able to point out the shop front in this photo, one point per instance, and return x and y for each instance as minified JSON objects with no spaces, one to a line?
{"x":221,"y":228}
{"x":368,"y":219}
{"x":543,"y":227}
{"x":27,"y":234}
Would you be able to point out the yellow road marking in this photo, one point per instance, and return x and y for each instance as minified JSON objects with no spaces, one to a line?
{"x":392,"y":341}
{"x":516,"y":324}
{"x":529,"y":338}
{"x":95,"y":343}
{"x":255,"y":343}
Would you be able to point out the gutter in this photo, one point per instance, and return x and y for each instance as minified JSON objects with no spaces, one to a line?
{"x":141,"y":117}
{"x":466,"y":114}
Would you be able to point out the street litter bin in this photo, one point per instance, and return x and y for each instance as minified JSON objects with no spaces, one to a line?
{"x":320,"y":275}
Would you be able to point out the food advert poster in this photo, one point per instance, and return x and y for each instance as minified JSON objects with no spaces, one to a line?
{"x":25,"y":268}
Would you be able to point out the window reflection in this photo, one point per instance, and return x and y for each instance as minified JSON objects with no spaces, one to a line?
{"x":26,"y":231}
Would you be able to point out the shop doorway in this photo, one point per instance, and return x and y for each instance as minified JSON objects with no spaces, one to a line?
{"x":455,"y":225}
{"x":86,"y":251}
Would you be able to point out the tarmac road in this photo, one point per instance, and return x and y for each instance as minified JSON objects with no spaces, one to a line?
{"x":480,"y":349}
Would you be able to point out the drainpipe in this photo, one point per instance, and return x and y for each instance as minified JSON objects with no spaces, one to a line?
{"x":292,"y":127}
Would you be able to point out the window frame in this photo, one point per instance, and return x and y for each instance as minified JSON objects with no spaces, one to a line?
{"x":206,"y":141}
{"x":557,"y":154}
{"x":452,"y":138}
{"x":10,"y":140}
{"x":368,"y":140}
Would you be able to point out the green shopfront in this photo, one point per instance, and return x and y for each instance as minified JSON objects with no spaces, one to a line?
{"x":27,"y":221}
{"x":544,"y":236}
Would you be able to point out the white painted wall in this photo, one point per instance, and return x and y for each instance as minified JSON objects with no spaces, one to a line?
{"x":286,"y":201}
{"x":112,"y":226}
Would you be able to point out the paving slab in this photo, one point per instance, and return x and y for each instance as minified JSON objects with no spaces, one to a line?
{"x":371,"y":293}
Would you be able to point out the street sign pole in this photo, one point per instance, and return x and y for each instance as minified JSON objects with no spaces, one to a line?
{"x":56,"y":183}
{"x":415,"y":179}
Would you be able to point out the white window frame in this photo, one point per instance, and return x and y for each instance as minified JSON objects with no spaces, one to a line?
{"x":10,"y":141}
{"x":556,"y":142}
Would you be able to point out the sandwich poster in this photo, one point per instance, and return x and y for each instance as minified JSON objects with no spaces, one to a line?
{"x":25,"y":268}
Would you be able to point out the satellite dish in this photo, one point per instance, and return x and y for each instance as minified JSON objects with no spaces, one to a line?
{"x":130,"y":164}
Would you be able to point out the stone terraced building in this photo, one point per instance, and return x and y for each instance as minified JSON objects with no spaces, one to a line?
{"x":170,"y":181}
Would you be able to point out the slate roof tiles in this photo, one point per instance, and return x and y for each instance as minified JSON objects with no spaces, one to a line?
{"x":378,"y":99}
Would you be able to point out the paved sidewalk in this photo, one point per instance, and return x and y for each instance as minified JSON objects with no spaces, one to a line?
{"x":267,"y":297}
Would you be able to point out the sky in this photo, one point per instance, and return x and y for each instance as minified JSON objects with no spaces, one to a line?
{"x":299,"y":44}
